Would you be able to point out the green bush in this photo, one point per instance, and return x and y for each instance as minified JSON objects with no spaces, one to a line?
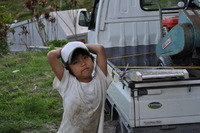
{"x":57,"y":43}
{"x":3,"y":48}
{"x":3,"y":38}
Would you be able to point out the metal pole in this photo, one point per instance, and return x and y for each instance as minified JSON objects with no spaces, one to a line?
{"x":60,"y":4}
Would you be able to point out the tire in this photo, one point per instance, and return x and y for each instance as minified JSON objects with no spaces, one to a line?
{"x":165,"y":60}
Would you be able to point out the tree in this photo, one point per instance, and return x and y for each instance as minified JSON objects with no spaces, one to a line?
{"x":5,"y":18}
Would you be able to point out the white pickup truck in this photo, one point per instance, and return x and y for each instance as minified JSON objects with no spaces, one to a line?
{"x":144,"y":97}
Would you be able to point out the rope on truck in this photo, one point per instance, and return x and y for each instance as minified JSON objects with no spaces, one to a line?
{"x":159,"y":67}
{"x":111,"y":58}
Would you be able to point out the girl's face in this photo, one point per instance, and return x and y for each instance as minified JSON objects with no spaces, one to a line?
{"x":82,"y":67}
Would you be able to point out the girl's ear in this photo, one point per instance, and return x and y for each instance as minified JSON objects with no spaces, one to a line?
{"x":69,"y":69}
{"x":92,"y":57}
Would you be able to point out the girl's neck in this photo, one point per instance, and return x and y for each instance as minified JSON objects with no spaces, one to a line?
{"x":85,"y":80}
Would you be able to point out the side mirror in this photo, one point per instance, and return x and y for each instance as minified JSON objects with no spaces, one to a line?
{"x":84,"y":18}
{"x":181,"y":4}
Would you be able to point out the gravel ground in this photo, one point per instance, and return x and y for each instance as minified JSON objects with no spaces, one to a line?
{"x":111,"y":127}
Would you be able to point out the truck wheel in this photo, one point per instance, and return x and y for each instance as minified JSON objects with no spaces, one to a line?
{"x":165,"y":60}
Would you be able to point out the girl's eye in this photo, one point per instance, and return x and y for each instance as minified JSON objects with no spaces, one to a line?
{"x":75,"y":62}
{"x":85,"y":57}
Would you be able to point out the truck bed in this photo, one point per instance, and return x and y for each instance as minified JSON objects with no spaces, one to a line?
{"x":156,"y":100}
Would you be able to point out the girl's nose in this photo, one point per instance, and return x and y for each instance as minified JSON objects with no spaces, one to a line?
{"x":83,"y":62}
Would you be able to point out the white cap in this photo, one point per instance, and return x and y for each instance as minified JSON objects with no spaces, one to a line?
{"x":69,"y":48}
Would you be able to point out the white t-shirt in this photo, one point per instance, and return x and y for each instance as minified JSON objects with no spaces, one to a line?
{"x":83,"y":102}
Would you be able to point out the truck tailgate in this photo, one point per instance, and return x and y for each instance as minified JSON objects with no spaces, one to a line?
{"x":173,"y":104}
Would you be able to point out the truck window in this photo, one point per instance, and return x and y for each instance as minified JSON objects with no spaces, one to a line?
{"x":164,"y":4}
{"x":84,"y":18}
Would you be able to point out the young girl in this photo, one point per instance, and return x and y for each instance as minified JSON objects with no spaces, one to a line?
{"x":82,"y":85}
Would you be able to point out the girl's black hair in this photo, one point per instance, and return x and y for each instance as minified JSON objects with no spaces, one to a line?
{"x":76,"y":53}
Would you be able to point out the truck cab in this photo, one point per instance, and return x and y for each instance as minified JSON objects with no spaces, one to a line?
{"x":130,"y":28}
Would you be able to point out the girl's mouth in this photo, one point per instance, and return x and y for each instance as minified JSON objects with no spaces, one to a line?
{"x":85,"y":69}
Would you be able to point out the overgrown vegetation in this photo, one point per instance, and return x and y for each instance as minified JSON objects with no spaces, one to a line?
{"x":4,"y":19}
{"x":3,"y":39}
{"x":19,"y":11}
{"x":28,"y":103}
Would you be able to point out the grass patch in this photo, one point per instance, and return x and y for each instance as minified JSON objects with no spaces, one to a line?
{"x":28,"y":103}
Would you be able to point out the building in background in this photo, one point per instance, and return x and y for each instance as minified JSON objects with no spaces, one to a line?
{"x":60,"y":25}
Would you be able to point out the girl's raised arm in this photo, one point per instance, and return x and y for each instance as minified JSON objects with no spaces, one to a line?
{"x":53,"y":58}
{"x":99,"y":50}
